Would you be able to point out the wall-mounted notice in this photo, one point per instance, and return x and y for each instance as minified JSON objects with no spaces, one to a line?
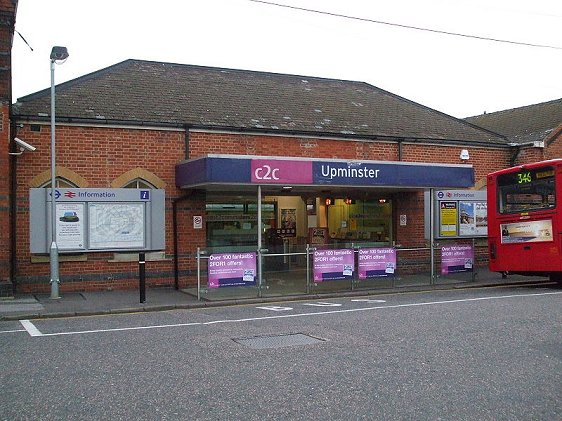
{"x":231,"y":269}
{"x":70,"y":226}
{"x":473,"y":219}
{"x":456,"y":259}
{"x":288,"y":223}
{"x":481,"y":216}
{"x":318,"y":236}
{"x":448,"y":219}
{"x":335,"y":264}
{"x":376,"y":262}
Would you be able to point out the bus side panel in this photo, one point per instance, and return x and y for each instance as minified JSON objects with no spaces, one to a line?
{"x":526,"y":256}
{"x":538,"y":258}
{"x":493,"y":228}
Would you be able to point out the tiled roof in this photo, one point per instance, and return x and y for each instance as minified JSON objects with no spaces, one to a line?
{"x":154,"y":93}
{"x":524,"y":124}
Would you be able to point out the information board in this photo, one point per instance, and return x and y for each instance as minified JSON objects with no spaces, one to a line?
{"x":457,"y":213}
{"x":88,"y":220}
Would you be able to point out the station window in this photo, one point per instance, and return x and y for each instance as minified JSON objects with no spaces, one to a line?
{"x":360,"y":221}
{"x":138,"y":183}
{"x":61,"y":183}
{"x":232,"y":221}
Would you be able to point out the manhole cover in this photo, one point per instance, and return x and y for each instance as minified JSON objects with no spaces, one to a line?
{"x":278,"y":341}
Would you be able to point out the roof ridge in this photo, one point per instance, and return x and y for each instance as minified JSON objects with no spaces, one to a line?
{"x":71,"y":82}
{"x":177,"y":95}
{"x":516,"y":108}
{"x":230,"y":69}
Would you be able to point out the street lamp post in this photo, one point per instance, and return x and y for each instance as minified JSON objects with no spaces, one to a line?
{"x":57,"y":54}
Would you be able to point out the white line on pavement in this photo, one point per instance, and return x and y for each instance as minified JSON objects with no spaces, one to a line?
{"x":275,"y":308}
{"x":321,"y":304}
{"x":12,"y":331}
{"x":368,"y":300}
{"x":33,"y":329}
{"x":30,"y":328}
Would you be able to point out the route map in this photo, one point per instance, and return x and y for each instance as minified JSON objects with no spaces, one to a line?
{"x":116,"y":225}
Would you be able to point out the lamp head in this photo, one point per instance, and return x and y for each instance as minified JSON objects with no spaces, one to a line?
{"x":59,"y":53}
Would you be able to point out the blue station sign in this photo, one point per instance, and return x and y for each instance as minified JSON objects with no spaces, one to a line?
{"x":229,"y":169}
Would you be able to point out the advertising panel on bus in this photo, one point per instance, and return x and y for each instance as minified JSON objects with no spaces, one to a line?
{"x":526,"y":231}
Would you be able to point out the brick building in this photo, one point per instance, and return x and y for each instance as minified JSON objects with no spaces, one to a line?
{"x":534,"y":131}
{"x":246,"y":160}
{"x":7,"y":24}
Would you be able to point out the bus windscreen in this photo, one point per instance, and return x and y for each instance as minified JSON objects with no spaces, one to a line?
{"x":526,"y":190}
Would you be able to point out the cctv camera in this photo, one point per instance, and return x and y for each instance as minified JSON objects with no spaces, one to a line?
{"x":24,"y":145}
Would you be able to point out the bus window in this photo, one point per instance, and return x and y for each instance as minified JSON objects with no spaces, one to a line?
{"x":527,"y":190}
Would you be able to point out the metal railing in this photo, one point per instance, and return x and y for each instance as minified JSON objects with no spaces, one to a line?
{"x":291,"y":272}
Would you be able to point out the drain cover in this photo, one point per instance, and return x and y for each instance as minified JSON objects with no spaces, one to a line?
{"x":278,"y":341}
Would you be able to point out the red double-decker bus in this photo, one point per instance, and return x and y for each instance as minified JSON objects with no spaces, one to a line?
{"x":525,"y":219}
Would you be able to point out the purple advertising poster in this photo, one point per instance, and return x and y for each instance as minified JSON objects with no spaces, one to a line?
{"x":330,"y":265}
{"x":376,"y":262}
{"x":231,"y":269}
{"x":456,"y":259}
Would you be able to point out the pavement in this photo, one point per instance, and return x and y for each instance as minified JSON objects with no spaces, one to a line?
{"x":33,"y":306}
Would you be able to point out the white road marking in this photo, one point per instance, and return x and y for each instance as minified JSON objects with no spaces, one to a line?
{"x":275,"y":308}
{"x":30,"y":328}
{"x":12,"y":331}
{"x":368,"y":300}
{"x":285,"y":316}
{"x":321,"y":304}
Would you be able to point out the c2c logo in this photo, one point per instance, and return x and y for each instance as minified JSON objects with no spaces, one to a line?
{"x":266,"y":172}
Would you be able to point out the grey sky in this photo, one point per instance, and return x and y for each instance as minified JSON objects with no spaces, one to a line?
{"x":458,"y":76}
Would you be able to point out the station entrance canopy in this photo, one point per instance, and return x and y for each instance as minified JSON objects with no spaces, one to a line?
{"x":212,"y":171}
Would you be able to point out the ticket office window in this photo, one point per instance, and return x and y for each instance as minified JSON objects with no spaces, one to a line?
{"x":360,"y":221}
{"x":235,"y":223}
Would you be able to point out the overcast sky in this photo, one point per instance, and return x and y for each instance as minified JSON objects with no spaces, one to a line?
{"x":460,"y":76}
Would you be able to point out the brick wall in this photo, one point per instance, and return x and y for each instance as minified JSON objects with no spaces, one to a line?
{"x":554,"y":144}
{"x":100,"y":155}
{"x":4,"y":193}
{"x":7,"y":22}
